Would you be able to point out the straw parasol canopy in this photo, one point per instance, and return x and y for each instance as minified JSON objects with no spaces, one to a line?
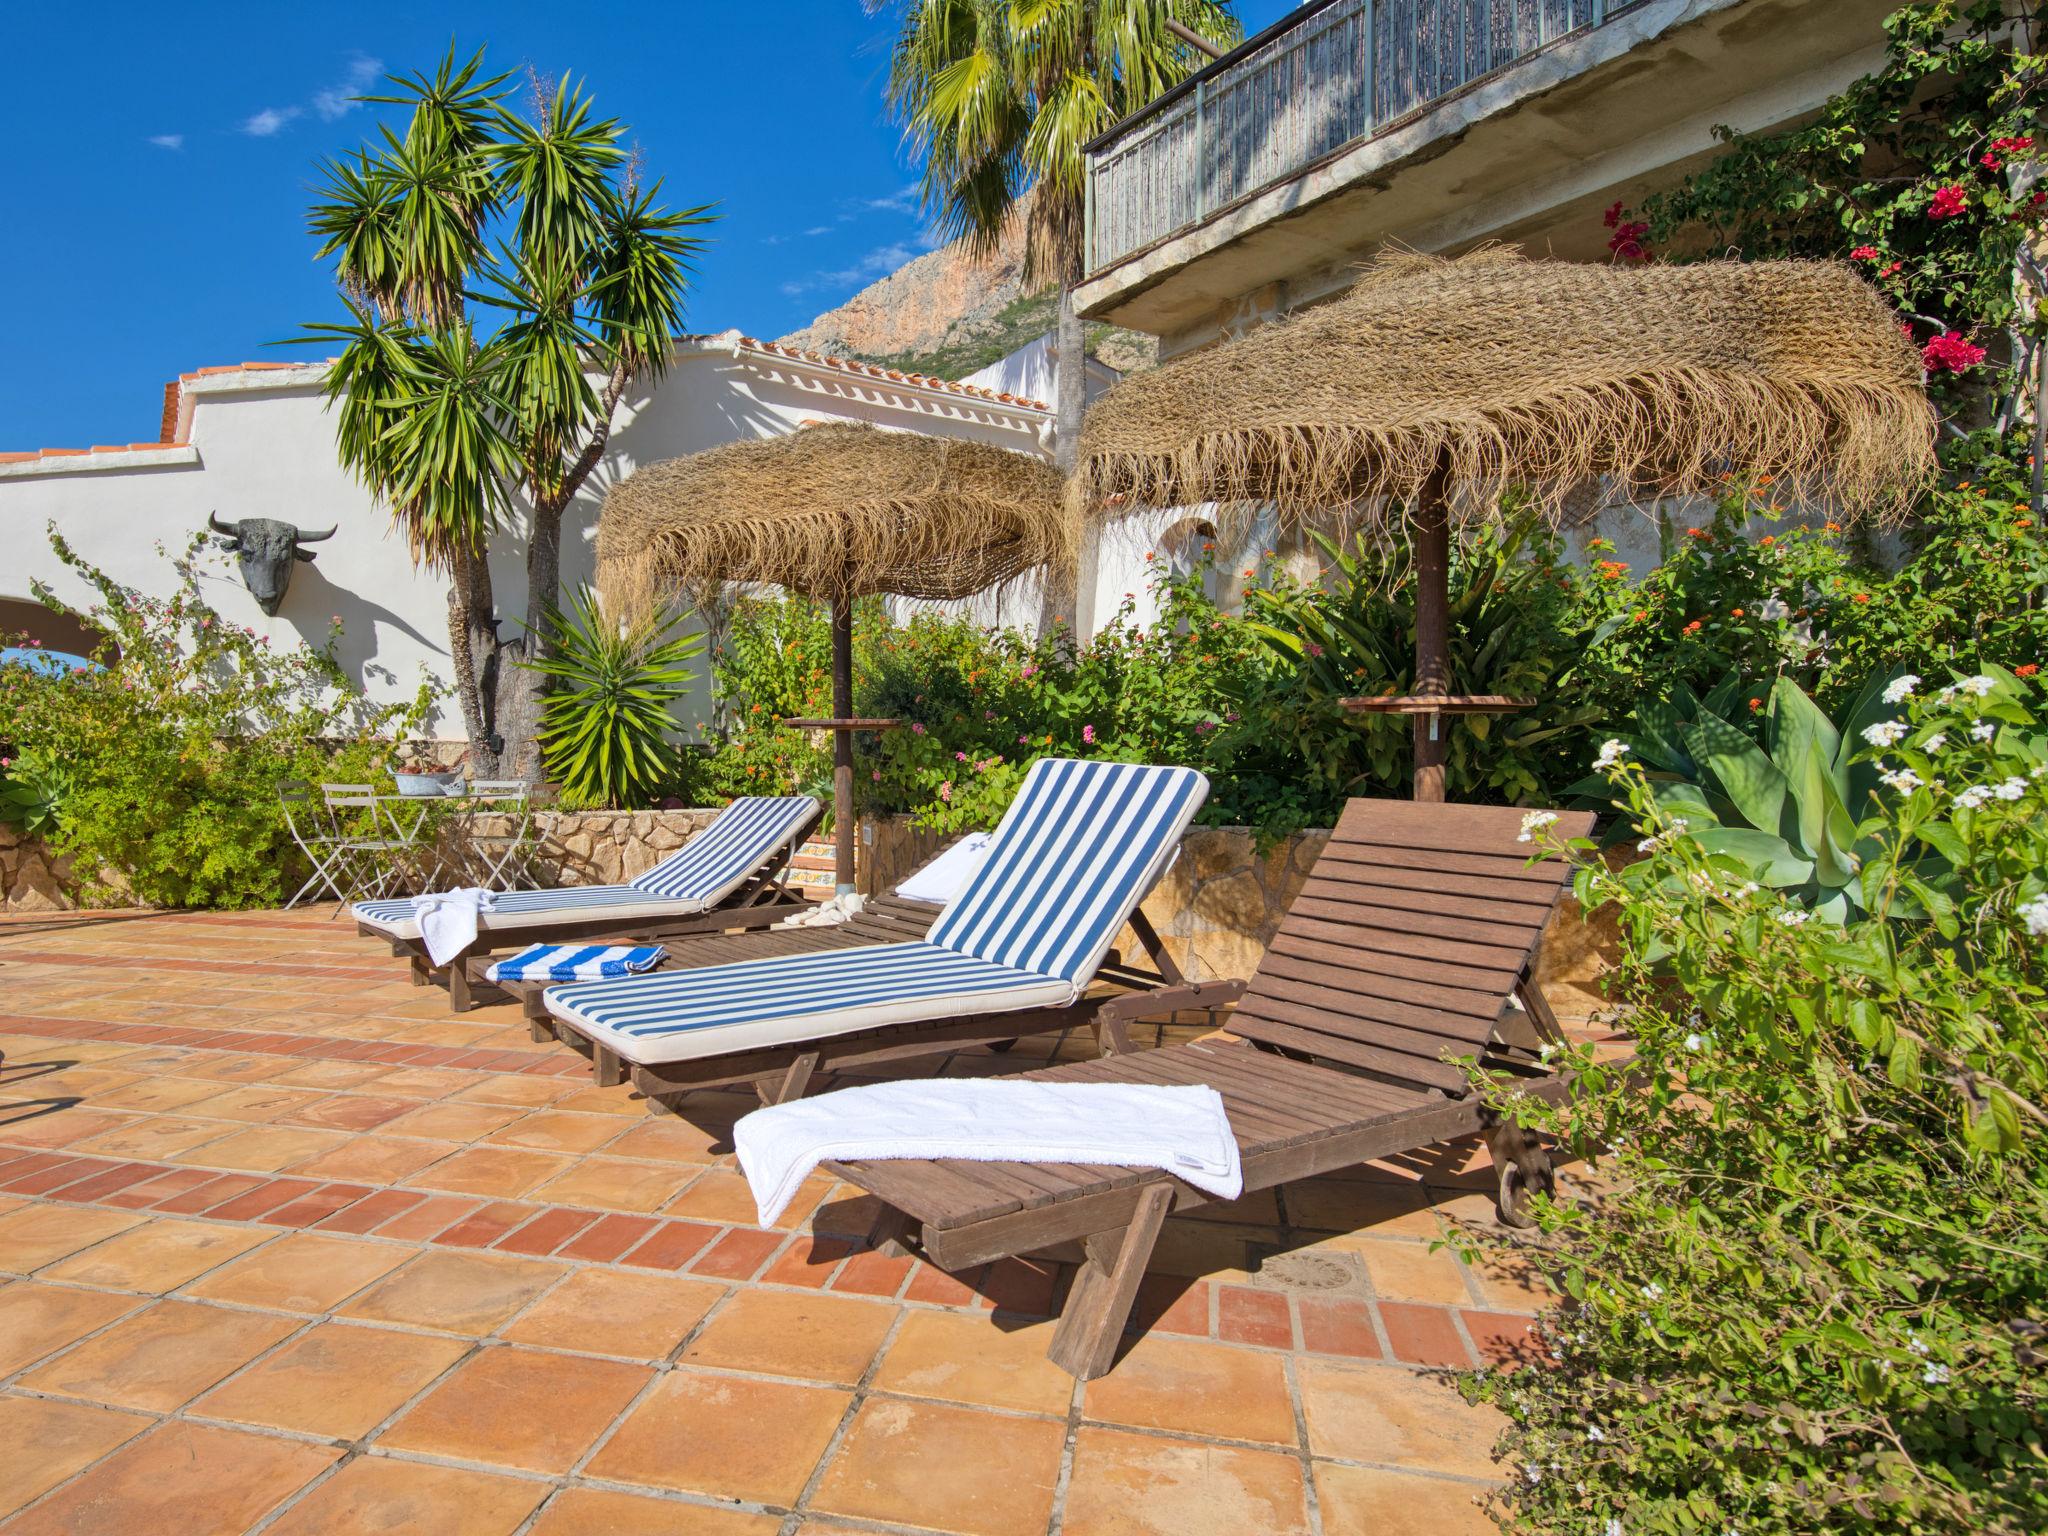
{"x":837,"y":511}
{"x":1434,"y":384}
{"x":1499,"y":371}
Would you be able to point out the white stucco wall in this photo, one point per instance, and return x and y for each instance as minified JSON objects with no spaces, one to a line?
{"x":261,"y":444}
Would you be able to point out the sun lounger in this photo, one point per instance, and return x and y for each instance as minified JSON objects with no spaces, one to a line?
{"x":892,"y":918}
{"x":1416,"y":927}
{"x":727,"y":876}
{"x":1023,"y":948}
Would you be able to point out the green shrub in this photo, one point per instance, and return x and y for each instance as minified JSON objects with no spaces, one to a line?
{"x":1813,"y":1293}
{"x":164,"y":765}
{"x":606,"y":725}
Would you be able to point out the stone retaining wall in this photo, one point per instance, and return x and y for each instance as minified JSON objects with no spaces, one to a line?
{"x":32,"y":878}
{"x":603,"y":847}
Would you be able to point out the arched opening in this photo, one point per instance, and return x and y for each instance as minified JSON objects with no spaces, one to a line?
{"x":23,"y":622}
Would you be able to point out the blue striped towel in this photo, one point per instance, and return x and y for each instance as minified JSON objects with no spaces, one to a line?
{"x":576,"y":962}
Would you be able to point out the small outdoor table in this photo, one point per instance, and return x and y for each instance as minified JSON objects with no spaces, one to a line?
{"x":1432,"y":707}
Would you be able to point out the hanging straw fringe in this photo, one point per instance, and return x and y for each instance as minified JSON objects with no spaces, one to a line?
{"x":1543,"y":375}
{"x":835,"y":509}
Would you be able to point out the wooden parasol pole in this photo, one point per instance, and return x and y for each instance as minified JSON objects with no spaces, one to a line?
{"x":1432,"y":627}
{"x":842,"y":743}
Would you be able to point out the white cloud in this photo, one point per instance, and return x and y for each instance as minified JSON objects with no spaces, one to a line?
{"x":338,"y":100}
{"x":879,"y":262}
{"x":818,"y":229}
{"x":270,"y":121}
{"x":901,"y":201}
{"x":168,"y":140}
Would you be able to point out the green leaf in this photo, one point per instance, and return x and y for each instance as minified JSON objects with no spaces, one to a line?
{"x":1748,"y":778}
{"x":1769,"y":858}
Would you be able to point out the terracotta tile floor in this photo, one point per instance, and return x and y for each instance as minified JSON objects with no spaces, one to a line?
{"x":286,"y":1246}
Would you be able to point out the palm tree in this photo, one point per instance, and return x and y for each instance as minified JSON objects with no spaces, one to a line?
{"x":477,"y":386}
{"x":998,"y":96}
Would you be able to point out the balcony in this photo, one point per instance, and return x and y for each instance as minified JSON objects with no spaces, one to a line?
{"x":1262,"y":181}
{"x":1324,"y":79}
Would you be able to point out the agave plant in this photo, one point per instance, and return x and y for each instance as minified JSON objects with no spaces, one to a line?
{"x":605,"y":726}
{"x":1787,"y":808}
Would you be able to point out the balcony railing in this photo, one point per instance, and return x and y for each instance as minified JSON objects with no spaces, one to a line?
{"x":1325,"y":78}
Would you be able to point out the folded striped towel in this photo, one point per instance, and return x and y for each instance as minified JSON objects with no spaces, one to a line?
{"x":576,"y":962}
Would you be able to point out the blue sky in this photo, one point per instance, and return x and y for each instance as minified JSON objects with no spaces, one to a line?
{"x":163,"y":162}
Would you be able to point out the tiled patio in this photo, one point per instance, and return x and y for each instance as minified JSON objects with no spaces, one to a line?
{"x":285,"y":1246}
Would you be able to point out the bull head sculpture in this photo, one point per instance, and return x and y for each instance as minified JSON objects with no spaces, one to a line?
{"x":265,"y":550}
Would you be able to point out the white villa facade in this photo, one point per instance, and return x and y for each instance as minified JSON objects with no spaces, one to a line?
{"x":256,"y":440}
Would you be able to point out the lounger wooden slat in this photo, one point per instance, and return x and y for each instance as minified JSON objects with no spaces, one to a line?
{"x":1344,"y":1052}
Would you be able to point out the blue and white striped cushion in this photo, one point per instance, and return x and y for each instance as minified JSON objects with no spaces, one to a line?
{"x":711,"y":864}
{"x":1078,"y":849}
{"x":592,"y":899}
{"x":753,"y":1004}
{"x":576,"y":962}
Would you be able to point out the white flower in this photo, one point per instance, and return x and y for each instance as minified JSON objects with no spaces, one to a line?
{"x":1773,"y":609}
{"x":1612,"y":1528}
{"x":1611,"y":753}
{"x":1534,"y":1474}
{"x":1913,"y":1343}
{"x":1899,"y":689}
{"x":1935,"y":1375}
{"x":1694,"y":1042}
{"x":2011,"y":789}
{"x":2035,"y":915}
{"x":1653,"y":1292}
{"x":1792,"y":917}
{"x":1535,"y":822}
{"x":1934,"y":743}
{"x":1596,"y":1434}
{"x":1885,"y":733}
{"x":1977,"y":686}
{"x":1904,"y":780}
{"x":1973,"y":797}
{"x":1984,"y":730}
{"x":2038,"y":771}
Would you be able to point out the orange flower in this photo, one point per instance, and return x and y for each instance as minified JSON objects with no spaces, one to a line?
{"x":1641,"y":614}
{"x":2028,"y":670}
{"x":1833,"y":527}
{"x":1755,"y":705}
{"x":1735,"y":613}
{"x":1767,"y":540}
{"x":1861,"y":597}
{"x":2023,"y":524}
{"x":1692,"y":627}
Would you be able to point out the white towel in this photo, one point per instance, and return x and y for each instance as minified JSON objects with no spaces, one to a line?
{"x":938,"y":880}
{"x":448,"y":919}
{"x":1181,"y":1130}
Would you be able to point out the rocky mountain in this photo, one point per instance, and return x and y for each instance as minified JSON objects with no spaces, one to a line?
{"x":949,"y":312}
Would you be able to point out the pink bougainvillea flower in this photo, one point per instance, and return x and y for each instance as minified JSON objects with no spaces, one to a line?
{"x":1894,"y":267}
{"x":1948,"y":202}
{"x":1088,"y":734}
{"x":946,"y":790}
{"x":1612,"y":216}
{"x":2016,"y":146}
{"x":1950,"y":352}
{"x":1864,"y":253}
{"x":917,"y":728}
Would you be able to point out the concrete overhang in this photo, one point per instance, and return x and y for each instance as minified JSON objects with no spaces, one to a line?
{"x":1613,"y":112}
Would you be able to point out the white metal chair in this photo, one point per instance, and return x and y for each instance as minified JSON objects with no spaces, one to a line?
{"x":374,"y":861}
{"x":313,"y":827}
{"x":502,"y":858}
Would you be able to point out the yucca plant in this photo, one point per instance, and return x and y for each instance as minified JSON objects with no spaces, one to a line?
{"x":606,"y":723}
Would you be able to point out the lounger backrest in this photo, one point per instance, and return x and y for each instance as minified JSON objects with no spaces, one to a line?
{"x":744,"y":835}
{"x":1414,"y":926}
{"x":1078,"y":849}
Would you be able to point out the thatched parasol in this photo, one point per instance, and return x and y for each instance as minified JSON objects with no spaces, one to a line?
{"x":837,"y":511}
{"x":1437,"y":383}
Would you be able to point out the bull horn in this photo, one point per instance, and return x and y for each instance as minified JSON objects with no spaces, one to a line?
{"x":315,"y":538}
{"x":213,"y":521}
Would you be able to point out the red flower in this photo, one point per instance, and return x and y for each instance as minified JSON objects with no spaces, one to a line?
{"x":1950,"y":352}
{"x":1755,"y":705}
{"x":2012,"y":146}
{"x":1888,"y":271}
{"x":1698,"y":533}
{"x":1864,"y":253}
{"x":1861,"y":597}
{"x":1612,"y":216}
{"x":2028,"y":670}
{"x":1948,"y":202}
{"x":1626,"y":243}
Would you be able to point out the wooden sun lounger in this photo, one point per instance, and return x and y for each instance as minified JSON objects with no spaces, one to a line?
{"x":762,"y":901}
{"x":1122,"y":994}
{"x":1415,"y":927}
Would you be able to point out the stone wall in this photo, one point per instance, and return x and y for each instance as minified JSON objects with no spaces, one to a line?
{"x":32,"y":878}
{"x":603,"y":847}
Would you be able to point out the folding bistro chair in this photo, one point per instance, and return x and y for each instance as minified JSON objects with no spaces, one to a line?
{"x":313,"y":829}
{"x":501,"y":859}
{"x":371,"y":862}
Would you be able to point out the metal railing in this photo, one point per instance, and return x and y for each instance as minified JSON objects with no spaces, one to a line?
{"x":1330,"y":76}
